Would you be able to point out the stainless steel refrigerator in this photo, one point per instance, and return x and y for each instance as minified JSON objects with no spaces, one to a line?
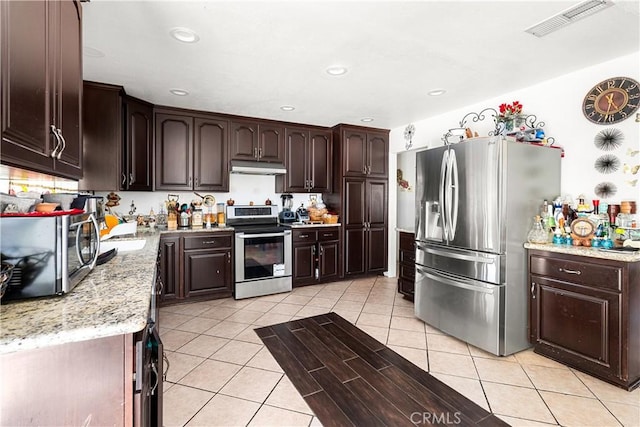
{"x":475,"y":203}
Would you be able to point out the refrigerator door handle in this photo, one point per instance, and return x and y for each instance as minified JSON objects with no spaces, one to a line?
{"x":441,"y":195}
{"x":455,"y":255}
{"x":453,"y":188}
{"x":455,"y":283}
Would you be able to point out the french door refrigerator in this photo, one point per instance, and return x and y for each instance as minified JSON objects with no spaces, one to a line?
{"x":475,"y":202}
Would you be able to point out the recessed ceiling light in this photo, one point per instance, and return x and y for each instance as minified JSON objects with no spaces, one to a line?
{"x":179,"y":92}
{"x":184,"y":35}
{"x":336,"y":70}
{"x":287,"y":108}
{"x":92,"y":52}
{"x":366,"y":119}
{"x":436,"y":92}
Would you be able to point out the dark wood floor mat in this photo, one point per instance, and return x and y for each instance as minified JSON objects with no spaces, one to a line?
{"x":349,"y":378}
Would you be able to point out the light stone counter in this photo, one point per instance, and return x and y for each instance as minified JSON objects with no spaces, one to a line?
{"x":586,"y":251}
{"x":301,"y":225}
{"x":112,"y":300}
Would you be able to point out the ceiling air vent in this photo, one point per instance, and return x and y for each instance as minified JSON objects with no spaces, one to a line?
{"x":568,"y":16}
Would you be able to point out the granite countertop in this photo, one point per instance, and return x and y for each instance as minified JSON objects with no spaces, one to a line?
{"x":586,"y":251}
{"x":405,"y":230}
{"x":303,"y":225}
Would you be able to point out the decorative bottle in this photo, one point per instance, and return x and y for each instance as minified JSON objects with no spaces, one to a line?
{"x":537,"y":234}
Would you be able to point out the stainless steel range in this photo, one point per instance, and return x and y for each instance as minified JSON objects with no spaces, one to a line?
{"x":262,"y":251}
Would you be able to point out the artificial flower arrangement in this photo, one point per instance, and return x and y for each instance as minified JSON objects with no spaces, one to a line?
{"x":509,"y":111}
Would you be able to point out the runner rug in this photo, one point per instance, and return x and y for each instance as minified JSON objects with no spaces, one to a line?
{"x":349,"y":378}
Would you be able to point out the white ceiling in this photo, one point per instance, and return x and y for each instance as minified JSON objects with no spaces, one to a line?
{"x":255,"y":56}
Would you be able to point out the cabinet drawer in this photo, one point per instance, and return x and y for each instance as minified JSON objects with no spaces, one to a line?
{"x":408,"y":272}
{"x":407,"y":257}
{"x":407,"y":241}
{"x":207,"y":241}
{"x":579,"y":272}
{"x":325,"y":235}
{"x":304,"y":236}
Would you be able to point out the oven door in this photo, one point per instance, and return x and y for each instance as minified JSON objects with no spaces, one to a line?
{"x":83,"y":247}
{"x":263,"y":255}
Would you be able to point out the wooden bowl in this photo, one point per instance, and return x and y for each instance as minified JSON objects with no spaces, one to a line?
{"x":46,"y":207}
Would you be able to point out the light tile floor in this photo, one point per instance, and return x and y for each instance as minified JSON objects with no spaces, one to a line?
{"x":221,"y":374}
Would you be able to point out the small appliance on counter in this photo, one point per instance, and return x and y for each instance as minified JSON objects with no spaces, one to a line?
{"x":302,"y":214}
{"x":286,"y":215}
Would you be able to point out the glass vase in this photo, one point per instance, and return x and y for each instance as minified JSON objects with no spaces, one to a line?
{"x":537,"y":234}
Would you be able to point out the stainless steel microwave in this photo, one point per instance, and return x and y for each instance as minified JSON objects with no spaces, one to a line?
{"x":50,"y":254}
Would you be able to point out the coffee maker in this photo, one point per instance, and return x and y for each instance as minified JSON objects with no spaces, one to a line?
{"x":286,"y":214}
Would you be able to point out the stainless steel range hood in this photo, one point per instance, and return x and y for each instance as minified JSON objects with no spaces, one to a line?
{"x":257,"y":168}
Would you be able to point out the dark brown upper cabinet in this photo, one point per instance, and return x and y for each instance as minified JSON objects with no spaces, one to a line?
{"x":137,"y":169}
{"x":308,"y":161}
{"x":256,"y":141}
{"x":41,"y":81}
{"x":118,"y":140}
{"x":366,"y":152}
{"x":191,"y":152}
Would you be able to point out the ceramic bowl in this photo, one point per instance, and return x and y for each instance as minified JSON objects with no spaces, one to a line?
{"x":46,"y":207}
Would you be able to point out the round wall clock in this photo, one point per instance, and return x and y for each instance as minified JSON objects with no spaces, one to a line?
{"x":612,"y":100}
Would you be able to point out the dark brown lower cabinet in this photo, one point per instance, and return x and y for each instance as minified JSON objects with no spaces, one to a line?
{"x":584,"y":313}
{"x":407,"y":264}
{"x":196,"y":265}
{"x":80,"y":383}
{"x":315,"y":255}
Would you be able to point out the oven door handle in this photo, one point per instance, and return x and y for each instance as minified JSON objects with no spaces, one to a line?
{"x":253,"y":236}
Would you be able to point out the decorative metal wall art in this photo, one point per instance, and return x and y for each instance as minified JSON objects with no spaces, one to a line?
{"x":608,"y":139}
{"x":604,"y":190}
{"x":529,"y":131}
{"x":607,"y":164}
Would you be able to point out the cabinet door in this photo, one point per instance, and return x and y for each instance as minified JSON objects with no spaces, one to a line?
{"x":304,"y":264}
{"x":296,"y":160}
{"x":577,"y":323}
{"x":377,"y":155}
{"x":271,"y":143}
{"x":138,"y":146}
{"x":320,"y":161}
{"x":243,"y":141}
{"x":174,"y":152}
{"x":354,"y":149}
{"x":207,"y":273}
{"x":102,"y":137}
{"x":376,"y":203}
{"x":355,"y":213}
{"x":169,"y":267}
{"x":69,"y":88}
{"x":27,"y":82}
{"x":211,"y":167}
{"x":328,"y":261}
{"x":376,"y":249}
{"x":354,"y":251}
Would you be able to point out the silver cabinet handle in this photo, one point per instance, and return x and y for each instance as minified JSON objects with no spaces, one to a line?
{"x":190,"y":181}
{"x":207,"y":242}
{"x":64,"y":144}
{"x":260,"y":152}
{"x":533,"y":290}
{"x":228,"y":257}
{"x":313,"y":250}
{"x":255,"y":152}
{"x":165,"y":362}
{"x":54,"y":153}
{"x":196,"y":182}
{"x":253,"y":236}
{"x":131,"y":178}
{"x":155,"y":372}
{"x":364,"y":170}
{"x":564,"y":270}
{"x":124,"y":179}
